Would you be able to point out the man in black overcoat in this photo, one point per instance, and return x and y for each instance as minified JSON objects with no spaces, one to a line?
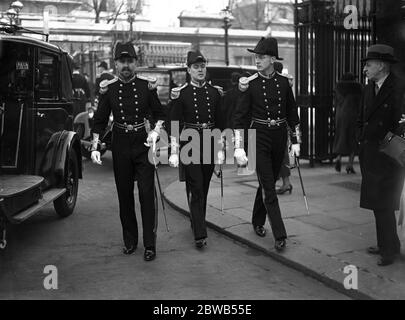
{"x":382,"y":178}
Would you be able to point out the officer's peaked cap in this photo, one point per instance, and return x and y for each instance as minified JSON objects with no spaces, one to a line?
{"x":124,"y":50}
{"x":195,"y":56}
{"x":267,"y":46}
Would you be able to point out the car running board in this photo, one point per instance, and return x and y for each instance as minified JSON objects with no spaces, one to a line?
{"x":47,"y":197}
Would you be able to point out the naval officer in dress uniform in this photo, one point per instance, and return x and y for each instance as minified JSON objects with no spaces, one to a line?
{"x":268,"y":103}
{"x":196,"y":105}
{"x":131,"y":99}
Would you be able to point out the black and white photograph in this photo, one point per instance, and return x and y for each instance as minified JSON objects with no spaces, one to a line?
{"x":202,"y":157}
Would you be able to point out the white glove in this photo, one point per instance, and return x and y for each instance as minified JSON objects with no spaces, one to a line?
{"x":174,"y":160}
{"x":221,"y":157}
{"x":152,"y":138}
{"x":96,"y":157}
{"x":240,"y":156}
{"x":295,"y":149}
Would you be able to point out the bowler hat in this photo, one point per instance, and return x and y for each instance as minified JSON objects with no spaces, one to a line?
{"x":267,"y":46}
{"x":195,"y":56}
{"x":380,"y":52}
{"x":124,"y":50}
{"x":103,"y":64}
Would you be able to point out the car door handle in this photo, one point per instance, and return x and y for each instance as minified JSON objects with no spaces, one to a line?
{"x":40,"y":115}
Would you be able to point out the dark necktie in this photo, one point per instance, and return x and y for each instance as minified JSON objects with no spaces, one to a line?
{"x":376,"y":89}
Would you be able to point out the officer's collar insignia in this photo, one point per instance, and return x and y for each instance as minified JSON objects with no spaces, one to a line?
{"x":105,"y":83}
{"x":152,"y":82}
{"x":270,"y":76}
{"x":127,"y":81}
{"x":195,"y":84}
{"x":175,"y":93}
{"x":244,"y":82}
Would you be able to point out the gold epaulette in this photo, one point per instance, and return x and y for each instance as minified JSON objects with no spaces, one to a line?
{"x":282,"y":74}
{"x":175,"y":93}
{"x":244,"y":82}
{"x":152,"y":82}
{"x":105,"y":83}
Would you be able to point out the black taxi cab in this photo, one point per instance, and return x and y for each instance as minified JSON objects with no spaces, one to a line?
{"x":40,"y":156}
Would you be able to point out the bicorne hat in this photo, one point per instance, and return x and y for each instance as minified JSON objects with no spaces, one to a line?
{"x":195,"y":56}
{"x":124,"y":50}
{"x":267,"y":46}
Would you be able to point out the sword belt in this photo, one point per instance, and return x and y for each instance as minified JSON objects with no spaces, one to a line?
{"x":199,"y":126}
{"x":129,"y":128}
{"x":274,"y":124}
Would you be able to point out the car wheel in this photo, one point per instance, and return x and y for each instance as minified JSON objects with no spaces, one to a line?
{"x":65,"y":204}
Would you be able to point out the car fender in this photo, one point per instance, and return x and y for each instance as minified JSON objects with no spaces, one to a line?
{"x":53,"y":164}
{"x":83,"y":118}
{"x":68,"y":140}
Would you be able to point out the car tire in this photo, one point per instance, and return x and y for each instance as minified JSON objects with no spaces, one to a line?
{"x":66,"y":203}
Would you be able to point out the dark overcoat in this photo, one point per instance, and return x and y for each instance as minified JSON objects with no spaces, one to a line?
{"x":347,"y":103}
{"x":382,"y":177}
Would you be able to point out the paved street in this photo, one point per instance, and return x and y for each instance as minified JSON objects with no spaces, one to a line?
{"x":86,"y":249}
{"x":333,"y":236}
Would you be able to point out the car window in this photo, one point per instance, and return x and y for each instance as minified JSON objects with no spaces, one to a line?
{"x":16,"y":61}
{"x":47,"y":79}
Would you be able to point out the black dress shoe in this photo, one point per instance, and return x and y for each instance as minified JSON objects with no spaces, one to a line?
{"x":338,"y":166}
{"x":349,"y":170}
{"x":385,"y":261}
{"x":200,"y":243}
{"x":284,"y":189}
{"x":280,"y":245}
{"x":149,"y":254}
{"x":373,"y":250}
{"x":260,"y":231}
{"x":129,"y":250}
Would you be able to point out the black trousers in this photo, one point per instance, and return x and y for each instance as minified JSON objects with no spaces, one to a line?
{"x":130,"y":160}
{"x":387,"y":237}
{"x":198,"y":178}
{"x":270,"y":151}
{"x":285,"y":170}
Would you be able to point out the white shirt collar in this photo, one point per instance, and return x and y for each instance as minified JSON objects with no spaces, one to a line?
{"x":380,"y":82}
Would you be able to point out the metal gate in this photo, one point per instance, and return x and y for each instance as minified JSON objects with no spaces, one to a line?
{"x":325,"y":49}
